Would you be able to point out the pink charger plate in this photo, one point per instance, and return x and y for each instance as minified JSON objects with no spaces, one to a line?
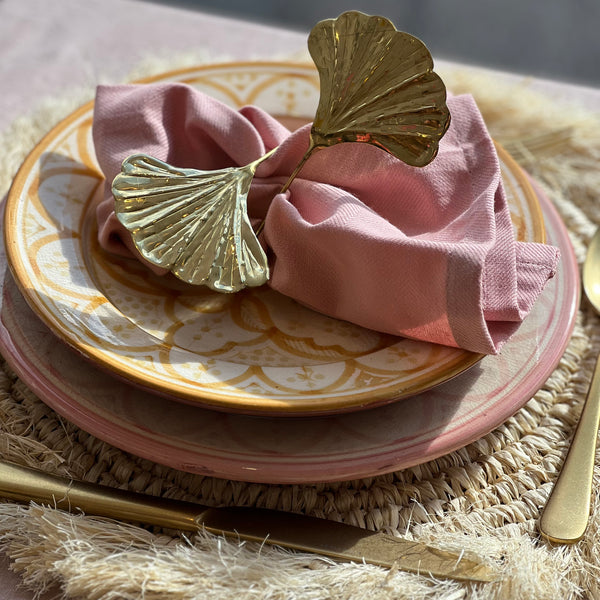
{"x":305,"y":449}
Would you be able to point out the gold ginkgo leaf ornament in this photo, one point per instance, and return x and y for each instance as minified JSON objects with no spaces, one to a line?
{"x":194,"y":223}
{"x":377,"y":86}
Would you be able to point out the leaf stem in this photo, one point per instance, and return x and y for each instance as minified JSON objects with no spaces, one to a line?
{"x":254,"y":165}
{"x":287,"y":184}
{"x":310,"y":150}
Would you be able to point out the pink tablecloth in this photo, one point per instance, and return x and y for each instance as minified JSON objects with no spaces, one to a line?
{"x":48,"y":48}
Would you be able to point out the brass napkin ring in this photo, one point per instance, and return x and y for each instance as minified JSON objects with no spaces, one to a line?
{"x":377,"y":86}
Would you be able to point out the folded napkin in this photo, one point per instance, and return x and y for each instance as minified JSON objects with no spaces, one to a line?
{"x":426,"y":253}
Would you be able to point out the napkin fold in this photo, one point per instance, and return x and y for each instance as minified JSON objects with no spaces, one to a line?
{"x":427,"y":253}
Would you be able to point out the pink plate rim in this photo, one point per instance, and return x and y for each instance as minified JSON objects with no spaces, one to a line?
{"x":360,"y":456}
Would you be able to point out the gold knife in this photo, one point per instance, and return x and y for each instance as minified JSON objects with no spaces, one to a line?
{"x":298,"y":532}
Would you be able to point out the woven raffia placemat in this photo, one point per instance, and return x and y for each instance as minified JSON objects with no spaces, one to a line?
{"x":485,"y":498}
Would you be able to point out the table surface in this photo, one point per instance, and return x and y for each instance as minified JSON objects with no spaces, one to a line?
{"x":51,"y":48}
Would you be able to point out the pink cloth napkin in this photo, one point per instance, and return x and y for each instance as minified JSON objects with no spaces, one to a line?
{"x":426,"y":253}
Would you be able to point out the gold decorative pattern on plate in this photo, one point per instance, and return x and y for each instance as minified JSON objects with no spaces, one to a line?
{"x":255,"y":351}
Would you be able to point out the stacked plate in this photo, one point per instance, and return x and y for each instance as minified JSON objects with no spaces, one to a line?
{"x":249,"y":386}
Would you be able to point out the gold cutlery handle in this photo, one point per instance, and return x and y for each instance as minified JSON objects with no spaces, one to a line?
{"x":25,"y":484}
{"x":299,"y":532}
{"x":566,"y":514}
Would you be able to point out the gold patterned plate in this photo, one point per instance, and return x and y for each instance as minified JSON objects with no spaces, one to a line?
{"x":253,"y":352}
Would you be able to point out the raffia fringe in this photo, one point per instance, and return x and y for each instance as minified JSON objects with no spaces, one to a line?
{"x":484,"y":498}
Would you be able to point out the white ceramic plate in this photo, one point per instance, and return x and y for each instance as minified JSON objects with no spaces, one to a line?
{"x":253,"y":352}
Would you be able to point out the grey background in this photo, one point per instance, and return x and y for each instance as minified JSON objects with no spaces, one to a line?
{"x":556,"y":39}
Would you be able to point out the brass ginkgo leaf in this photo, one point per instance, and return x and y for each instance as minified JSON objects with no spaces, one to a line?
{"x":377,"y":86}
{"x":194,"y":223}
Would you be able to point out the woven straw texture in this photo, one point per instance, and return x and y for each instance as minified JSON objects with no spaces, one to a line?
{"x":485,"y":498}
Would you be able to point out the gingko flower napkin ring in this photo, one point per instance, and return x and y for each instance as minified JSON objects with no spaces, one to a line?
{"x":377,"y":86}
